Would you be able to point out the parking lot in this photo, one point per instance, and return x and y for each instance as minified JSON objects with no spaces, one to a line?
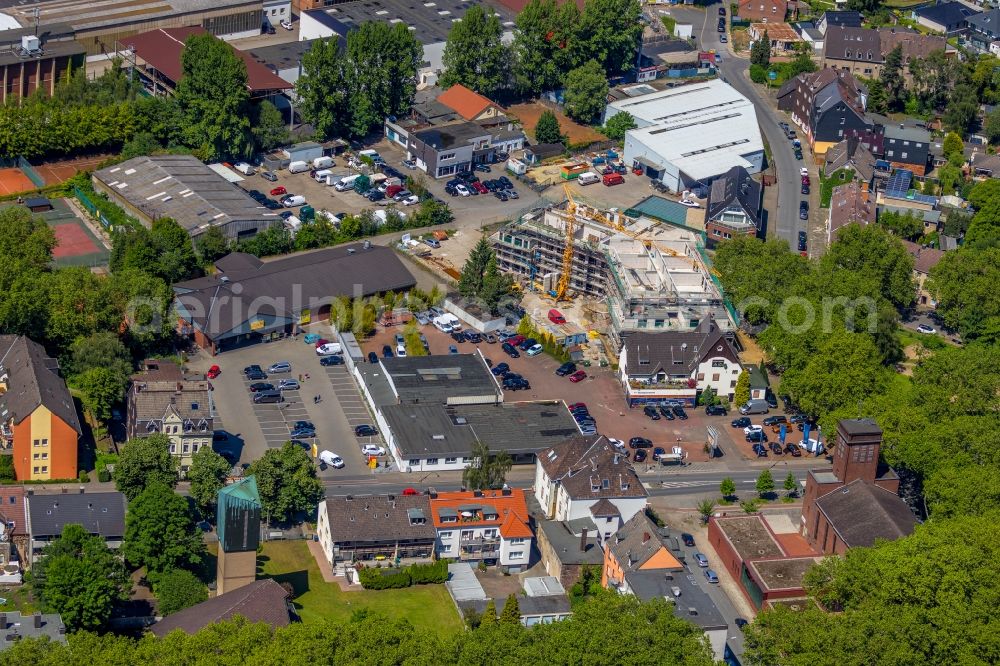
{"x":601,"y":392}
{"x":254,"y":428}
{"x":482,"y":209}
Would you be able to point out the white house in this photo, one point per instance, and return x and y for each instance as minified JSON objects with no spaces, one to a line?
{"x":677,"y":365}
{"x":586,"y":477}
{"x":489,"y":526}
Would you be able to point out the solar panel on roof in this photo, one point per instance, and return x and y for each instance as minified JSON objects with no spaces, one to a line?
{"x":899,"y":182}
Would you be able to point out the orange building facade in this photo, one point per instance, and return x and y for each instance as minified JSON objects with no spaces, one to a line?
{"x":45,"y":447}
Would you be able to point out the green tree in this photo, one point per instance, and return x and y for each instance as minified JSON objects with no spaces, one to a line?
{"x":286,"y":480}
{"x":705,"y":508}
{"x":475,"y":56}
{"x":950,"y":177}
{"x":511,"y":613}
{"x":741,"y":393}
{"x":470,"y":284}
{"x":800,"y":64}
{"x":177,"y":590}
{"x":541,"y":44}
{"x":953,"y":148}
{"x":80,"y":578}
{"x":144,"y":462}
{"x":363,"y":318}
{"x":765,"y":483}
{"x":486,"y":471}
{"x":892,"y":81}
{"x":870,"y":252}
{"x":964,"y":284}
{"x":489,"y":614}
{"x":160,"y":532}
{"x":586,"y":92}
{"x":618,"y":124}
{"x":905,"y":225}
{"x":791,"y":485}
{"x":992,"y":126}
{"x":212,"y":245}
{"x":609,"y":32}
{"x":727,"y":488}
{"x":213,"y":95}
{"x":323,"y":87}
{"x":269,"y":130}
{"x":496,"y":285}
{"x":547,"y":129}
{"x":100,"y":350}
{"x":760,"y":51}
{"x":961,"y":110}
{"x":207,"y":477}
{"x":382,"y":75}
{"x":878,"y":98}
{"x":102,"y":388}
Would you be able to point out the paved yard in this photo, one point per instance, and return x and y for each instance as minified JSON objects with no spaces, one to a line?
{"x":425,"y":606}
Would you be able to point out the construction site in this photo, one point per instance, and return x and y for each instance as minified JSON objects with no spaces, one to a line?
{"x":610,"y":272}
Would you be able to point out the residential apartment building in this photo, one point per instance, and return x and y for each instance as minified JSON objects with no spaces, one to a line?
{"x":375,"y":528}
{"x":488,"y":526}
{"x":39,"y":424}
{"x":906,"y":146}
{"x":763,"y":11}
{"x":863,"y":51}
{"x":101,"y":514}
{"x":678,"y":365}
{"x":587,"y":477}
{"x":984,"y":30}
{"x":735,"y":205}
{"x":827,"y":105}
{"x":162,"y":399}
{"x":844,"y":19}
{"x":849,"y":204}
{"x":948,"y":18}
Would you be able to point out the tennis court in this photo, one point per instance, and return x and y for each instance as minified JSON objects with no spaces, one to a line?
{"x":58,"y":172}
{"x":76,"y":244}
{"x":14,"y":181}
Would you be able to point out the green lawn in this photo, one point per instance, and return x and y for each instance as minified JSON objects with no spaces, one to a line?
{"x":838,"y":177}
{"x":425,"y":606}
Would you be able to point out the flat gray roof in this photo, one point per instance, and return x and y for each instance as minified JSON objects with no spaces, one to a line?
{"x":567,"y":545}
{"x":183,"y":188}
{"x":518,"y":428}
{"x":463,"y":584}
{"x":429,"y":22}
{"x":693,"y":604}
{"x":436,"y":379}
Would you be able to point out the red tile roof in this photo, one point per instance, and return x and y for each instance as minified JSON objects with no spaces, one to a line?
{"x":924,"y":258}
{"x":464,"y":102}
{"x":161,"y":49}
{"x":511,"y":510}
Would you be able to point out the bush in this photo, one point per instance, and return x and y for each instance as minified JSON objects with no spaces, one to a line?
{"x":415,"y":574}
{"x":84,"y":477}
{"x":103,"y":475}
{"x":177,"y":590}
{"x":758,"y":73}
{"x":7,"y":468}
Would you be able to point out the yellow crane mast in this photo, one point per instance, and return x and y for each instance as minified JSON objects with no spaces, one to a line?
{"x":567,"y":259}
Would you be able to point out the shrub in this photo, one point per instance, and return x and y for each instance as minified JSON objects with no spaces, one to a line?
{"x":415,"y":574}
{"x":758,"y":73}
{"x":84,"y":477}
{"x":7,"y":468}
{"x":103,"y":475}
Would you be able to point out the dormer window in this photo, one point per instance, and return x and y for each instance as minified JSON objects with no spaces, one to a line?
{"x":151,"y":427}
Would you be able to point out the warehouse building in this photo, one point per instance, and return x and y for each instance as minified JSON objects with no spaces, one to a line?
{"x":690,"y":135}
{"x":248,"y":300}
{"x":184,"y":189}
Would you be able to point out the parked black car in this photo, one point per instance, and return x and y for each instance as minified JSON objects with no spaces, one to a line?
{"x":527,"y":344}
{"x":640,"y":443}
{"x":651,"y":412}
{"x":666,"y":413}
{"x":756,"y":436}
{"x":473,"y":337}
{"x":331,"y":360}
{"x":510,"y":350}
{"x":372,"y":357}
{"x":365,"y":431}
{"x":566,"y":368}
{"x":687,"y":539}
{"x":741,"y":422}
{"x":715,"y":410}
{"x":500,"y":369}
{"x":639,"y":455}
{"x":680,"y":413}
{"x":458,"y":336}
{"x":516,"y":384}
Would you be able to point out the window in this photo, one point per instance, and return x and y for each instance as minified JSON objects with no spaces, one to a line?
{"x":37,"y":442}
{"x":715,"y":377}
{"x":187,"y":448}
{"x":45,"y":456}
{"x":517,"y":555}
{"x":906,"y":143}
{"x":413,"y":463}
{"x":517,"y":541}
{"x":13,"y":500}
{"x":467,"y":459}
{"x":446,"y":156}
{"x":732,"y":384}
{"x":35,"y":470}
{"x":489,"y":534}
{"x":45,"y":469}
{"x":446,"y":535}
{"x":903,"y":155}
{"x":45,"y":442}
{"x":450,"y":461}
{"x":446,"y":548}
{"x":432,"y":461}
{"x":173,"y":448}
{"x":36,"y":456}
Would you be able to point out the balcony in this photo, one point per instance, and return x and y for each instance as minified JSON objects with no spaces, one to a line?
{"x":480,"y":541}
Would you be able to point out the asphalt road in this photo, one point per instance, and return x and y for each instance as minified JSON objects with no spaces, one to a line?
{"x":735,"y":71}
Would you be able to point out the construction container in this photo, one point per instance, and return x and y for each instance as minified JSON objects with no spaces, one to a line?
{"x":573,"y":171}
{"x":307,"y":214}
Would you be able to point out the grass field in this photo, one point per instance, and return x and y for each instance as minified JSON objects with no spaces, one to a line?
{"x":425,"y":606}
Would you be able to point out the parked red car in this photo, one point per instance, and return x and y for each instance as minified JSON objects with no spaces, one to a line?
{"x":516,"y":340}
{"x":556,"y":317}
{"x":279,"y":191}
{"x":479,"y":187}
{"x":613,"y":179}
{"x":578,"y":376}
{"x":410,"y":492}
{"x":214,"y":372}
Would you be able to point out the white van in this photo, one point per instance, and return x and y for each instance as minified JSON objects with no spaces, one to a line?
{"x":754,"y":407}
{"x":293,"y":201}
{"x":380,"y":215}
{"x":588,"y":178}
{"x":453,"y":321}
{"x":369,"y":153}
{"x":321,"y":175}
{"x":293,"y":224}
{"x":298,"y":167}
{"x":442,"y":324}
{"x":345,"y":183}
{"x":332,"y":459}
{"x":322,"y":163}
{"x":244,"y":168}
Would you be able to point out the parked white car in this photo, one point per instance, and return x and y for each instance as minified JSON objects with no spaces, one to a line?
{"x":928,"y":330}
{"x":411,"y":200}
{"x":690,"y":203}
{"x":752,"y":428}
{"x":462,"y":189}
{"x":329,"y":349}
{"x":373,"y":450}
{"x":286,"y":24}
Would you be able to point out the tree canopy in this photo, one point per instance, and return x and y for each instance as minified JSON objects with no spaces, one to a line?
{"x":547,"y":128}
{"x":207,"y":477}
{"x":286,"y":480}
{"x":586,"y":92}
{"x":487,"y":471}
{"x":144,"y":462}
{"x":80,"y":578}
{"x":475,"y":56}
{"x":160,"y":533}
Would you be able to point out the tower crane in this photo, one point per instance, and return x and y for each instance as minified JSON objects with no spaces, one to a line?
{"x":567,"y":259}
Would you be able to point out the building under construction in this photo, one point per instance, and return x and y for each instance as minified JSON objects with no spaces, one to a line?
{"x":534,"y":246}
{"x":650,"y":275}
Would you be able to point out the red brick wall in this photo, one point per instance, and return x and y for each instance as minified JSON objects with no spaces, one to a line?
{"x":730,"y":558}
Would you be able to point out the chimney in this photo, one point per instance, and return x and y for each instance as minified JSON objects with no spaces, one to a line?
{"x":36,"y":620}
{"x":583,"y":540}
{"x":3,"y":621}
{"x":645,"y":537}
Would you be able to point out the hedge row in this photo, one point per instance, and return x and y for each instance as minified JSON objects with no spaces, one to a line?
{"x":415,"y":574}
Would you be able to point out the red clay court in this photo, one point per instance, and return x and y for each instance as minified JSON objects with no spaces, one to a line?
{"x":13,"y":180}
{"x":58,"y":172}
{"x":72,"y":240}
